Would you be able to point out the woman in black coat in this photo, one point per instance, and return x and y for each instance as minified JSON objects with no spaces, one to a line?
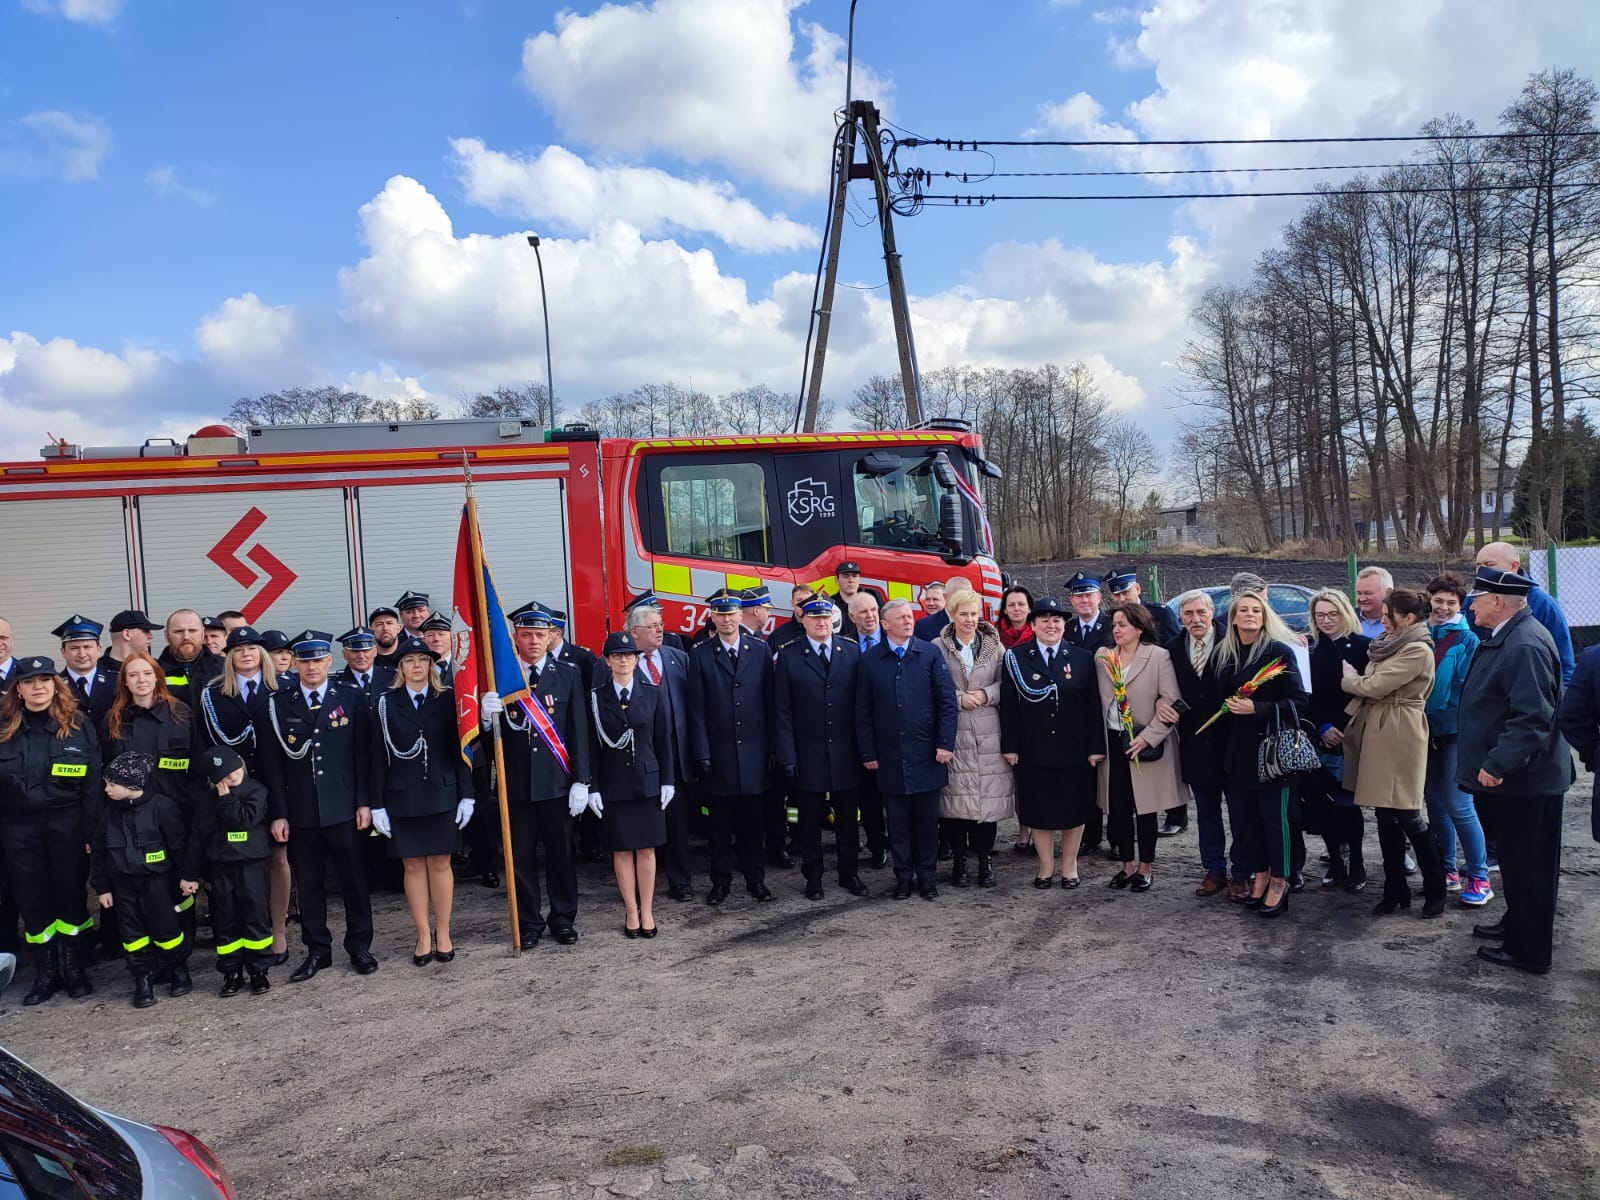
{"x":423,"y":791}
{"x":631,"y":761}
{"x":1255,"y":638}
{"x":1336,"y":640}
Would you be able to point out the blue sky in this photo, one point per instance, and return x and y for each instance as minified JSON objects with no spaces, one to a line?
{"x":200,"y":201}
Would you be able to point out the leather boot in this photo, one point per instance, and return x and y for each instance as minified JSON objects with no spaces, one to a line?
{"x":46,"y":973}
{"x":232,"y":982}
{"x":259,"y":982}
{"x":75,"y":952}
{"x":986,"y":877}
{"x":181,"y":981}
{"x":958,"y":871}
{"x":144,"y":992}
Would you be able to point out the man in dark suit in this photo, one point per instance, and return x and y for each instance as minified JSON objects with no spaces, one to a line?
{"x":438,"y":632}
{"x":1122,"y":584}
{"x":814,"y":732}
{"x":730,"y":695}
{"x":1515,"y":763}
{"x":648,"y":599}
{"x":567,"y":652}
{"x":755,"y":605}
{"x":863,"y":628}
{"x":316,"y":760}
{"x":906,"y":726}
{"x":793,"y":629}
{"x":667,"y":668}
{"x":1089,"y":627}
{"x":541,"y":795}
{"x":93,"y":686}
{"x":1201,"y":754}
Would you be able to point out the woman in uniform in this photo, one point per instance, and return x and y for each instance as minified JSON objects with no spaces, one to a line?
{"x":1049,"y":716}
{"x":279,"y":653}
{"x":230,"y":706}
{"x":49,"y":787}
{"x":145,"y":718}
{"x":422,"y":791}
{"x":632,"y":767}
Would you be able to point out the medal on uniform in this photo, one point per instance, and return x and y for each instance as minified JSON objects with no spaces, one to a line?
{"x":292,"y":739}
{"x":550,"y":703}
{"x":1037,"y":677}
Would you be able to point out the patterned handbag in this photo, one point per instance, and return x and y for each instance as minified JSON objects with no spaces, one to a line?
{"x":1285,"y":752}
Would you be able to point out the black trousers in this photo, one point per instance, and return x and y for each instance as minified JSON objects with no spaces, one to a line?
{"x":241,"y":919}
{"x":775,"y":819}
{"x":47,"y":869}
{"x":674,"y":854}
{"x":1395,"y":828}
{"x":1263,"y":835}
{"x":913,"y":835}
{"x":813,"y":808}
{"x":1343,"y":830}
{"x":1178,"y":816}
{"x":874,"y":830}
{"x":546,"y":821}
{"x":1528,"y":837}
{"x":311,"y":852}
{"x":483,"y":833}
{"x":1093,"y":831}
{"x":964,"y":836}
{"x":148,"y":923}
{"x":736,"y":829}
{"x":1125,"y":824}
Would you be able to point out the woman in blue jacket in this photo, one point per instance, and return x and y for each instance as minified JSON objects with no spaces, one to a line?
{"x":1451,"y":811}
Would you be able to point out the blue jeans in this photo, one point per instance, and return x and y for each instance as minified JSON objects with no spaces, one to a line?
{"x":1452,"y":812}
{"x":1213,"y":838}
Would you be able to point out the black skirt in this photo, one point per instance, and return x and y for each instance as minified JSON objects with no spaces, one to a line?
{"x":1055,"y":797}
{"x":418,"y":837}
{"x":634,"y":825}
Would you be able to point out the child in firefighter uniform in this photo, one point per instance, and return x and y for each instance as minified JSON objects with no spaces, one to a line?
{"x":230,"y":839}
{"x":136,"y":846}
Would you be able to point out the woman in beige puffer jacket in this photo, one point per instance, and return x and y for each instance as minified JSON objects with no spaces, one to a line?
{"x":981,"y":792}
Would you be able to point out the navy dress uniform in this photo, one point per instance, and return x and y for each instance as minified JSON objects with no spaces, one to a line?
{"x":775,"y":804}
{"x":49,"y":794}
{"x":94,"y":686}
{"x":233,"y":720}
{"x":539,"y":791}
{"x":437,"y":623}
{"x":631,"y":757}
{"x":1120,"y":582}
{"x":419,"y":778}
{"x":667,"y":668}
{"x":569,"y":653}
{"x":317,"y":763}
{"x":906,"y":711}
{"x":1050,"y":719}
{"x":730,"y":697}
{"x":413,"y":608}
{"x":139,"y":845}
{"x":376,"y":677}
{"x":1090,"y":635}
{"x":814,"y":738}
{"x":229,"y":841}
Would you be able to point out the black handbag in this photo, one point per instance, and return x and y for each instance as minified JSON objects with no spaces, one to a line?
{"x":1149,"y":753}
{"x":1284,"y":752}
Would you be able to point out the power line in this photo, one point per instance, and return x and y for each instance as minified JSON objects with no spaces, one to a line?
{"x":964,"y":176}
{"x":1129,"y":144}
{"x":978,"y":201}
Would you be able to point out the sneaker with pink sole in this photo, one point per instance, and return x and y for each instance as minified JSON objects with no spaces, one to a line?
{"x":1476,"y":893}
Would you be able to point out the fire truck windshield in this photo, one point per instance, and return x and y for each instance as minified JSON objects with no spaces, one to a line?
{"x":900,"y":508}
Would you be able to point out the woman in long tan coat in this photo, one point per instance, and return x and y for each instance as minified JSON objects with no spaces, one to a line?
{"x":1134,"y":793}
{"x":1386,"y":748}
{"x":981,"y":792}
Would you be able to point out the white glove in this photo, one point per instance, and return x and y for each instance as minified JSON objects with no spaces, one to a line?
{"x":380,"y":821}
{"x":577,"y":798}
{"x":594,"y":804}
{"x":667,"y":793}
{"x":490,"y":706}
{"x":464,"y":812}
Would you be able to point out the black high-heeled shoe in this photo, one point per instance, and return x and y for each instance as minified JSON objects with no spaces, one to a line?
{"x":1045,"y":884}
{"x":1254,"y":902}
{"x":444,"y":955}
{"x":647,"y":933}
{"x":1390,"y":905}
{"x":630,"y":934}
{"x":1433,"y":908}
{"x":1274,"y":910}
{"x":422,"y":960}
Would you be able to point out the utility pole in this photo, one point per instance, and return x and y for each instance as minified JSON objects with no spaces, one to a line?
{"x":862,"y":121}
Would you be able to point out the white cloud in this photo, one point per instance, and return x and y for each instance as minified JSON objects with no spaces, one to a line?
{"x":246,"y":332}
{"x":702,"y":80}
{"x":560,"y":187}
{"x":164,"y":182}
{"x":85,"y":12}
{"x":54,"y":144}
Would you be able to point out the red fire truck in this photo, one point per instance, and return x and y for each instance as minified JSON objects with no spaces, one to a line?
{"x":314,"y":525}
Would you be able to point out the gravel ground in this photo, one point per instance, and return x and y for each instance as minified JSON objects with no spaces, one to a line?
{"x":1005,"y":1043}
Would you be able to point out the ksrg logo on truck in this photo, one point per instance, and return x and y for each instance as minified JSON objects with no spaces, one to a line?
{"x":809,"y":498}
{"x":273,"y":575}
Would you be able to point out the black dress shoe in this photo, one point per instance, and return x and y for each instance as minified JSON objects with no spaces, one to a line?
{"x":489,"y":879}
{"x":1297,"y":882}
{"x":648,"y":933}
{"x":1501,"y":957}
{"x":902,"y":889}
{"x":530,"y":938}
{"x":1120,"y":880}
{"x":717,"y":894}
{"x":681,"y":893}
{"x":878,"y":859}
{"x":931,"y":892}
{"x":1434,"y":907}
{"x":565,"y":935}
{"x":182,"y":983}
{"x":280,"y":958}
{"x":855,"y":887}
{"x":313,"y":963}
{"x":444,"y":956}
{"x":1070,"y":882}
{"x":1140,"y":882}
{"x":781,"y":858}
{"x":760,"y":892}
{"x":814,"y":891}
{"x":1493,"y":933}
{"x":1168,"y":829}
{"x":260,"y":985}
{"x":422,"y":960}
{"x":1046,"y":884}
{"x":630,"y":934}
{"x":363,"y":962}
{"x":232,"y":983}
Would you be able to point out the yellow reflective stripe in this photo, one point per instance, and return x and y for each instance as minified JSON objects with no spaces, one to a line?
{"x":672,"y":579}
{"x":172,"y":945}
{"x":244,"y":943}
{"x":73,"y":769}
{"x":177,"y":681}
{"x":155,"y":856}
{"x":74,"y":930}
{"x":39,"y":939}
{"x":184,"y":905}
{"x":174,"y":764}
{"x":740,"y":582}
{"x":138,"y":944}
{"x":900,"y":591}
{"x":238,"y":835}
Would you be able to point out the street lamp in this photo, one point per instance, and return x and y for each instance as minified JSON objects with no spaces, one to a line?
{"x":549,"y":375}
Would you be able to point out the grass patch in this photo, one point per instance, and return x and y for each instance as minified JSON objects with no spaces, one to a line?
{"x":635,"y":1156}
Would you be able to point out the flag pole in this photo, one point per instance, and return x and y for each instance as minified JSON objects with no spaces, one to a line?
{"x":485,"y":679}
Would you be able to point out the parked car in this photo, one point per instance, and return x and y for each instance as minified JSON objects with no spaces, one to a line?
{"x":1289,"y":600}
{"x":53,"y":1146}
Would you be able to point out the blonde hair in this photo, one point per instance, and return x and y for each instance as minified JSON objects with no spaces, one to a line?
{"x":435,"y":683}
{"x":230,"y":676}
{"x":1341,"y":605}
{"x":1232,"y":653}
{"x":964,"y":596}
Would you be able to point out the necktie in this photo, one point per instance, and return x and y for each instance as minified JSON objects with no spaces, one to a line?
{"x":623,"y":698}
{"x":533,"y":677}
{"x":899,"y":651}
{"x":1049,"y":657}
{"x":362,"y":680}
{"x":316,"y":701}
{"x":249,"y":691}
{"x":733,"y":655}
{"x":655,"y":673}
{"x":1197,"y":654}
{"x":82,"y":686}
{"x":418,"y":699}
